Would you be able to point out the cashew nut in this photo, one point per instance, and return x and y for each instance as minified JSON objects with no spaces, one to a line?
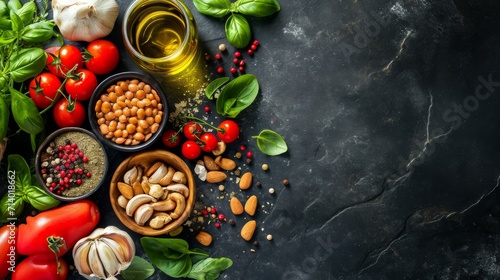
{"x":180,"y":202}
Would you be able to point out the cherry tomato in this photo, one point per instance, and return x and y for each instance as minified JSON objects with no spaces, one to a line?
{"x":101,"y":57}
{"x":8,"y":254}
{"x":43,"y":89}
{"x":81,"y":85}
{"x":64,"y":59}
{"x":41,"y":267}
{"x":209,"y":142}
{"x":69,"y":114}
{"x":228,"y":131}
{"x":170,"y":138}
{"x":192,"y":130}
{"x":64,"y":225}
{"x":191,"y":150}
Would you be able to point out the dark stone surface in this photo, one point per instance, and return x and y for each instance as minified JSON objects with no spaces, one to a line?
{"x":390,"y":111}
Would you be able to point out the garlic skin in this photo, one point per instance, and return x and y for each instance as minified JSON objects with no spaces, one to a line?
{"x":104,"y":253}
{"x":85,"y":20}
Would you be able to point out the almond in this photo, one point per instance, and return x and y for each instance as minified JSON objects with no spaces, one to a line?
{"x":236,"y":206}
{"x":210,"y":164}
{"x":225,"y":163}
{"x":137,"y":187}
{"x":248,"y":230}
{"x":125,"y":189}
{"x":216,"y":176}
{"x":204,"y":238}
{"x":251,"y":205}
{"x":246,"y":180}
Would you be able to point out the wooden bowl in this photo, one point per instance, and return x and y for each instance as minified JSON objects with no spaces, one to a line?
{"x":147,"y":159}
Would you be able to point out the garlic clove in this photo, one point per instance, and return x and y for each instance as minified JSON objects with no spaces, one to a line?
{"x":80,"y":256}
{"x":108,"y":259}
{"x":95,"y":262}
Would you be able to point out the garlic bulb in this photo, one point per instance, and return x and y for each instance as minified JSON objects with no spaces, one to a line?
{"x":85,"y":20}
{"x":104,"y":253}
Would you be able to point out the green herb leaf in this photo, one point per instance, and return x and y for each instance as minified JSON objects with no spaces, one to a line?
{"x":38,"y":32}
{"x":18,"y":176}
{"x":4,"y":11}
{"x":271,"y":143}
{"x":238,"y":31}
{"x":209,"y":268}
{"x":171,"y":248}
{"x":5,"y":24}
{"x":26,"y":64}
{"x":11,"y":206}
{"x":257,"y":8}
{"x":215,"y":8}
{"x":4,"y":118}
{"x":198,"y":254}
{"x":14,"y":5}
{"x":17,"y":22}
{"x":37,"y":197}
{"x":139,"y":269}
{"x":237,"y":95}
{"x":25,"y":113}
{"x":214,"y":86}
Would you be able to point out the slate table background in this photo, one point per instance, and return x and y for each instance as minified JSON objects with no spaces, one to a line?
{"x":390,"y":111}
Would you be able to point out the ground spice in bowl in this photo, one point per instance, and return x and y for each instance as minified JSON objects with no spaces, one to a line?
{"x":71,"y":164}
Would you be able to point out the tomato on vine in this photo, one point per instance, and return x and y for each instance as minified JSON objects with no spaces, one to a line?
{"x":60,"y":61}
{"x":171,"y":138}
{"x":208,"y":142}
{"x":192,"y":130}
{"x":101,"y":56}
{"x":69,"y":113}
{"x":81,"y":84}
{"x":191,"y":150}
{"x":43,"y":89}
{"x":228,"y":131}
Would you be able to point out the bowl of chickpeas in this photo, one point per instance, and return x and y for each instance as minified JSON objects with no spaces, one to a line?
{"x":128,"y":111}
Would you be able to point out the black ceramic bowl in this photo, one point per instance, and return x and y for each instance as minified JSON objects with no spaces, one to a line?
{"x":85,"y":153}
{"x":135,"y":115}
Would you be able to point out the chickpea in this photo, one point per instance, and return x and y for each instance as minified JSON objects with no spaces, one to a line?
{"x":147,"y":89}
{"x":130,"y":128}
{"x":141,"y":113}
{"x":133,"y":120}
{"x":105,"y":107}
{"x":133,"y":87}
{"x":143,"y":123}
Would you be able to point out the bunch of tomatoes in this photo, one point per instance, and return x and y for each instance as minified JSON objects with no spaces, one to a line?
{"x":72,"y":74}
{"x":198,"y":140}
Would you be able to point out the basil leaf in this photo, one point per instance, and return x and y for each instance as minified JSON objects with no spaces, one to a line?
{"x":214,"y":86}
{"x":139,"y":269}
{"x":4,"y":117}
{"x":25,"y":113}
{"x":257,"y":8}
{"x":16,"y":21}
{"x":14,"y":5}
{"x":209,"y":268}
{"x":7,"y":37}
{"x":237,"y":95}
{"x":4,"y":11}
{"x":198,"y":254}
{"x":19,"y":176}
{"x":215,"y":8}
{"x":26,"y":64}
{"x":27,"y":12}
{"x":270,"y":143}
{"x":38,"y":32}
{"x":238,"y":31}
{"x":22,"y":175}
{"x":38,"y":197}
{"x":171,"y":248}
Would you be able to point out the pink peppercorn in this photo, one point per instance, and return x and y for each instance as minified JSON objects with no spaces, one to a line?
{"x":218,"y":56}
{"x":250,"y":52}
{"x":217,"y":224}
{"x":233,"y":70}
{"x":237,"y":54}
{"x":220,"y":69}
{"x":213,"y":210}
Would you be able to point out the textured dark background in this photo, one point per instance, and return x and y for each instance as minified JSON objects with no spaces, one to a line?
{"x":390,"y":111}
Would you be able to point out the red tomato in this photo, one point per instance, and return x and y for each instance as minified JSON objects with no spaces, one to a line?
{"x":81,"y":85}
{"x":209,"y":142}
{"x":69,"y":114}
{"x":8,"y":254}
{"x":190,"y":149}
{"x":64,"y":59}
{"x":43,"y":89}
{"x":101,"y":57}
{"x":41,"y":267}
{"x":192,"y":130}
{"x":228,"y":131}
{"x":68,"y":224}
{"x":170,"y":138}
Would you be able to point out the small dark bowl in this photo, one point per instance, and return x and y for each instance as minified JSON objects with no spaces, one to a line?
{"x":102,"y":89}
{"x":97,"y":165}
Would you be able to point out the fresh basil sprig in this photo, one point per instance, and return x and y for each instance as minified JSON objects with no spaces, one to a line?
{"x":214,"y":86}
{"x":25,"y":189}
{"x":139,"y":269}
{"x":237,"y":28}
{"x":173,"y":257}
{"x":237,"y":95}
{"x":270,"y":143}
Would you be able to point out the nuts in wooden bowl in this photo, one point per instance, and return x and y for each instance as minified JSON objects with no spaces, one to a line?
{"x":152,"y":192}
